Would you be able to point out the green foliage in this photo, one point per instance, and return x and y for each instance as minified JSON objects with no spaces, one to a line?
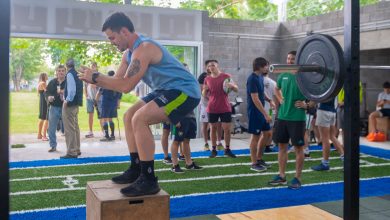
{"x":82,"y":51}
{"x":129,"y":98}
{"x":303,"y":8}
{"x":26,"y":56}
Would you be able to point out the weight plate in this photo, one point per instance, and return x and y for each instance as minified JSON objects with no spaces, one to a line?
{"x":325,"y":51}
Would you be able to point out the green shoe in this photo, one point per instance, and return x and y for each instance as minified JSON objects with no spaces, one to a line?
{"x":206,"y":147}
{"x":220,"y":147}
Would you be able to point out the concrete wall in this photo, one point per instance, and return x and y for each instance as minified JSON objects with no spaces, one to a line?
{"x":374,"y":79}
{"x":236,"y":43}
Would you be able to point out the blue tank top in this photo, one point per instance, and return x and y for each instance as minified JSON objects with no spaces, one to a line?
{"x":328,"y":106}
{"x":169,"y":73}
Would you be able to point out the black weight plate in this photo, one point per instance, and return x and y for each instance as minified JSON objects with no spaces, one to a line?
{"x":325,"y":51}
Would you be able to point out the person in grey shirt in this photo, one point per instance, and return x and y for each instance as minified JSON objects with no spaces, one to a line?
{"x":383,"y":106}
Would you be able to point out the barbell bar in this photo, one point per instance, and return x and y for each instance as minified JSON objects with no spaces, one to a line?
{"x":282,"y":68}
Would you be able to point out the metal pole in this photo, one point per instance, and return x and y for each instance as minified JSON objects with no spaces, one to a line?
{"x":375,"y":67}
{"x":351,"y":109}
{"x":282,"y":68}
{"x":4,"y":108}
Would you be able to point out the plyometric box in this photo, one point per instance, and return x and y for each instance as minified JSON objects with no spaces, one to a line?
{"x":105,"y":202}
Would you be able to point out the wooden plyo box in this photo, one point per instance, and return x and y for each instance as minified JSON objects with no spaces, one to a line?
{"x":105,"y":202}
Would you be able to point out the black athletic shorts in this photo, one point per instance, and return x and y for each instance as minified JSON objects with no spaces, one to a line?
{"x":286,"y":130}
{"x":175,"y":103}
{"x":225,"y":117}
{"x":187,"y":130}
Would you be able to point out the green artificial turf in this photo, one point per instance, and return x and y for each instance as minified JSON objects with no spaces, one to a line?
{"x":55,"y":176}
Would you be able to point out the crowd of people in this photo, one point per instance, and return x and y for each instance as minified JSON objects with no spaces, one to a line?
{"x":277,"y":111}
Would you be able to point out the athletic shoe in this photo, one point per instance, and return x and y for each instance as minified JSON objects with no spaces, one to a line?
{"x":142,"y":186}
{"x":181,"y":157}
{"x":277,"y":180}
{"x":213,"y":153}
{"x":258,"y":168}
{"x":307,"y":155}
{"x":128,"y":176}
{"x":206,"y":147}
{"x":53,"y":149}
{"x":112,"y":138}
{"x":177,"y":169}
{"x":320,"y":167}
{"x":294,"y":184}
{"x":268,"y":149}
{"x":220,"y":146}
{"x":167,"y":160}
{"x":229,"y":153}
{"x":105,"y":139}
{"x":67,"y":156}
{"x":90,"y":135}
{"x":193,"y":166}
{"x":263,"y":163}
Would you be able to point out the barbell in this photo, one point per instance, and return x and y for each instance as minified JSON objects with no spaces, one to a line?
{"x":319,"y":67}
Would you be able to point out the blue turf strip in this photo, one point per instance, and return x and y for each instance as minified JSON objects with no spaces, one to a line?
{"x":239,"y":201}
{"x":85,"y":160}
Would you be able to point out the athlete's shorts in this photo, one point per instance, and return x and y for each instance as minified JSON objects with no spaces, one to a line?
{"x":385,"y":112}
{"x":187,"y":130}
{"x":109,"y":112}
{"x":309,"y":119}
{"x":203,"y":113}
{"x":223,"y":117}
{"x":325,"y":118}
{"x":90,"y":106}
{"x":257,"y":123}
{"x":286,"y":130}
{"x":176,"y":104}
{"x":166,"y":126}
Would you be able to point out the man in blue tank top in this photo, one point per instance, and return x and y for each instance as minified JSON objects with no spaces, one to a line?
{"x":175,"y":93}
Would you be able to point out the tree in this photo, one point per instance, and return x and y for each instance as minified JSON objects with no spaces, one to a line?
{"x":26,"y":59}
{"x":303,"y":8}
{"x":82,"y":51}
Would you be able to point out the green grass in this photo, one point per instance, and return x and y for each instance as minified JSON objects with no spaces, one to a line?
{"x":77,"y":197}
{"x":24,"y":113}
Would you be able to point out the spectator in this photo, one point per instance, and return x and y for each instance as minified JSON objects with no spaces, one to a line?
{"x":43,"y":123}
{"x":184,"y":132}
{"x":290,"y":125}
{"x":218,"y":107}
{"x":270,"y":107}
{"x":383,"y":108}
{"x":55,"y":97}
{"x":73,"y":98}
{"x":90,"y":91}
{"x":258,"y":118}
{"x":203,"y":114}
{"x":110,"y":104}
{"x":326,"y":122}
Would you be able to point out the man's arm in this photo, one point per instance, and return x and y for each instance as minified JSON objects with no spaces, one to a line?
{"x":71,"y":86}
{"x":259,"y":106}
{"x":278,"y":95}
{"x":121,"y":71}
{"x":144,"y":55}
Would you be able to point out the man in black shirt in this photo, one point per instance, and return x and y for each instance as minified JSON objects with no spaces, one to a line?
{"x":54,"y":96}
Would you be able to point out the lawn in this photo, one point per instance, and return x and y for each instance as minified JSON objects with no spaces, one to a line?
{"x":38,"y":188}
{"x":25,"y":110}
